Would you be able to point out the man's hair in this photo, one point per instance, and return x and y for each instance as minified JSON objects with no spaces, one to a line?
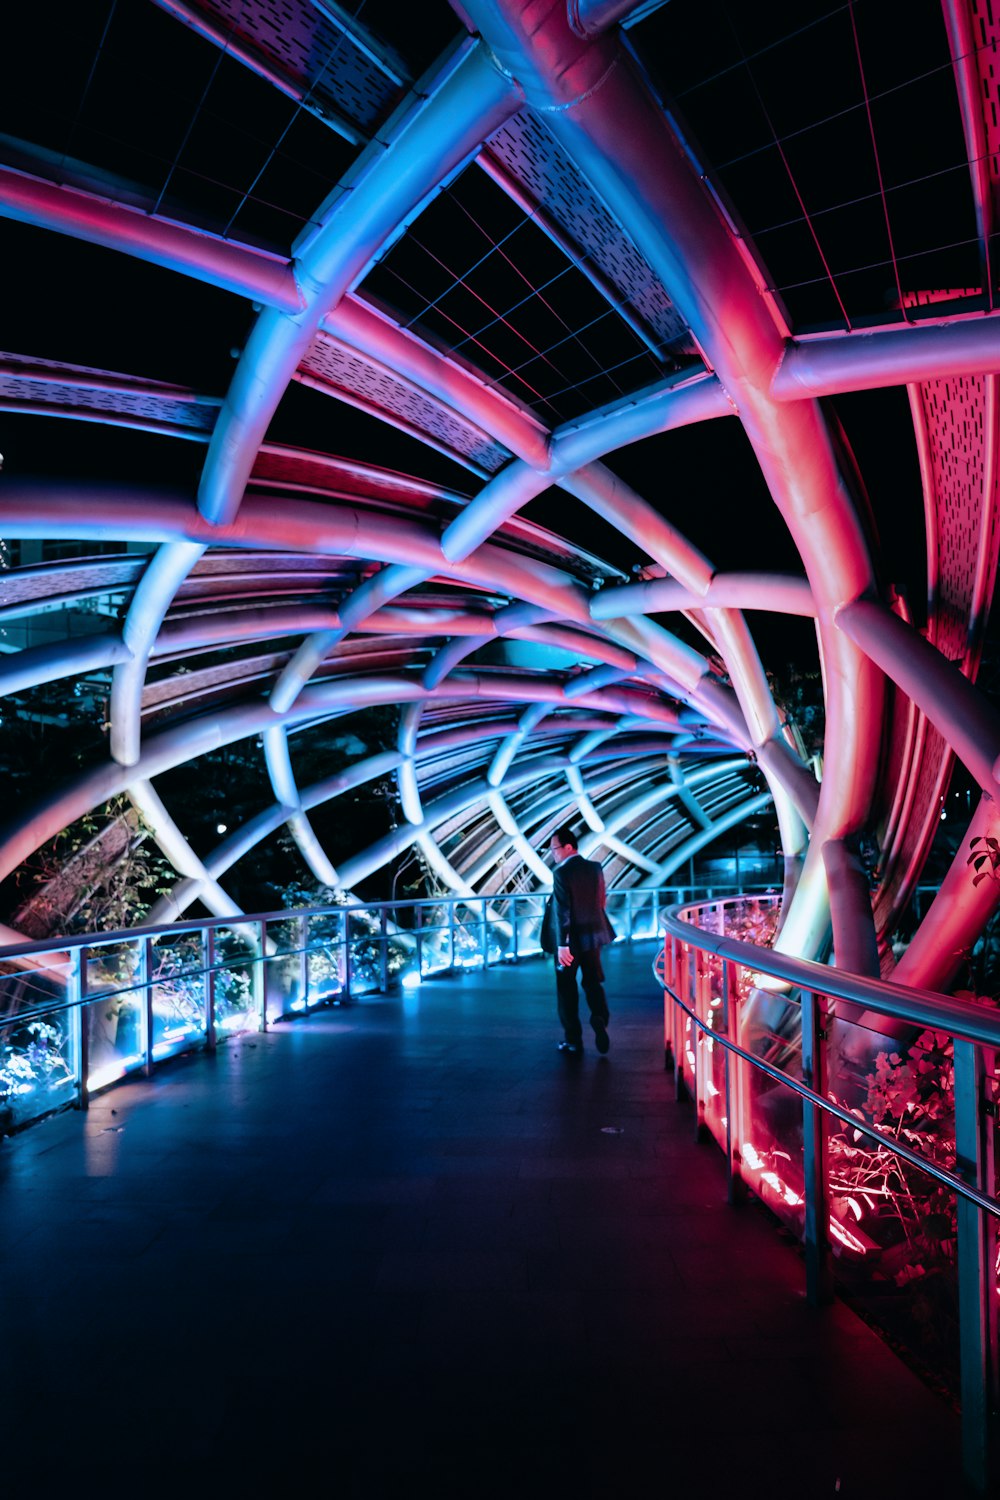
{"x":565,"y":835}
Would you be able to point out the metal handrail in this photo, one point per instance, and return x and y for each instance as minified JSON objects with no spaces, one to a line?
{"x":949,"y":1179}
{"x":920,"y":1007}
{"x":289,"y":913}
{"x":49,"y":980}
{"x":972,"y":1029}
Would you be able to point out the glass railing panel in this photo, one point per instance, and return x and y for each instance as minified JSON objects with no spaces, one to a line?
{"x":435,"y":937}
{"x":365,"y":947}
{"x":470,"y":934}
{"x":501,"y":918}
{"x":37,"y":1065}
{"x":237,"y":950}
{"x":770,"y":1122}
{"x":113,"y":1014}
{"x":751,"y":919}
{"x":530,"y":914}
{"x":711,"y":1055}
{"x":178,"y":992}
{"x":892,"y":1227}
{"x":286,"y":969}
{"x":618,"y":916}
{"x":401,"y":952}
{"x":405,"y":945}
{"x":325,"y":939}
{"x":645,"y":914}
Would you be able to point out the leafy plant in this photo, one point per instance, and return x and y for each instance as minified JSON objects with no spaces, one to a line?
{"x":39,"y":1064}
{"x":985,"y":858}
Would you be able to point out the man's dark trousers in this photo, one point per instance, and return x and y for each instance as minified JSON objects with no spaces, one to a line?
{"x":581,"y":925}
{"x":568,"y":996}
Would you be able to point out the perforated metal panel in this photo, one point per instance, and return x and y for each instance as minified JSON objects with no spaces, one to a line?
{"x":294,"y":38}
{"x":542,"y":168}
{"x":954,"y":416}
{"x":954,"y":411}
{"x":335,"y":476}
{"x":986,"y":30}
{"x":46,"y":385}
{"x":229,"y":677}
{"x":345,"y":370}
{"x":30,"y":585}
{"x":270,"y":564}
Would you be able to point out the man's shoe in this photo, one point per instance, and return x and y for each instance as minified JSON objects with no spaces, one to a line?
{"x":601,"y":1040}
{"x":574,"y":1047}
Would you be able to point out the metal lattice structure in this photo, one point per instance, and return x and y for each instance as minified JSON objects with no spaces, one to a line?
{"x":487,"y":292}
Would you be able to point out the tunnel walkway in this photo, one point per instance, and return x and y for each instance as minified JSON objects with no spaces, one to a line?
{"x":407,"y":1247}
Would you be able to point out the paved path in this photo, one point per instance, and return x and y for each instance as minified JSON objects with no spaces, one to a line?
{"x":397,"y":1250}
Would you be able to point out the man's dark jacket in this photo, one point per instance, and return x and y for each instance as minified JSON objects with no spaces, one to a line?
{"x":577,"y":919}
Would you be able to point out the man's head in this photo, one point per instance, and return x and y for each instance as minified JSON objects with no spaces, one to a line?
{"x":562,"y":843}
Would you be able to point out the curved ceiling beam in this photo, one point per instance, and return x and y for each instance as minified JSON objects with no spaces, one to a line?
{"x":969,"y":723}
{"x":598,"y":107}
{"x":821,"y":365}
{"x":698,"y":841}
{"x":610,"y":497}
{"x":958,"y":914}
{"x":116,"y":226}
{"x":869,"y":361}
{"x":178,"y":851}
{"x":451,"y":804}
{"x":305,"y":526}
{"x":282,"y":778}
{"x":426,"y":140}
{"x":775,"y":592}
{"x":381,"y":588}
{"x":256,"y":829}
{"x":186,"y":742}
{"x":149,"y":604}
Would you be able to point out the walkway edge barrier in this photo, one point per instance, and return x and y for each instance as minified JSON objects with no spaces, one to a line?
{"x":689,"y":985}
{"x":80,"y":1014}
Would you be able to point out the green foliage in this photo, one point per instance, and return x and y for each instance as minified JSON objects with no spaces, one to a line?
{"x":800,"y":696}
{"x":985,"y":858}
{"x":911,"y":1097}
{"x":39,"y":1063}
{"x":102,"y":874}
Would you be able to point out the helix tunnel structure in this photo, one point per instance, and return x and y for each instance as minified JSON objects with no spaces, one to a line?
{"x":548,"y":376}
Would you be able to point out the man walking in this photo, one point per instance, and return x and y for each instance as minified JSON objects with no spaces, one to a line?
{"x":581,"y":930}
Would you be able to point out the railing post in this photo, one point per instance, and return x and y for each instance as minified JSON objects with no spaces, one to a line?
{"x":737,"y":1190}
{"x":514,"y":931}
{"x":383,"y":950}
{"x":302,"y":925}
{"x":628,"y":915}
{"x":259,"y":983}
{"x":418,"y":929}
{"x":81,"y":1028}
{"x":484,"y":936}
{"x":977,"y":1314}
{"x":209,"y":960}
{"x":669,"y":983}
{"x":346,"y":940}
{"x":699,"y":1045}
{"x":688,"y":1039}
{"x":819,"y":1279}
{"x":451,"y":934}
{"x":685,"y":986}
{"x":146,"y":968}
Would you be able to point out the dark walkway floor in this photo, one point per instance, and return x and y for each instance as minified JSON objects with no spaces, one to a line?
{"x":393,"y":1250}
